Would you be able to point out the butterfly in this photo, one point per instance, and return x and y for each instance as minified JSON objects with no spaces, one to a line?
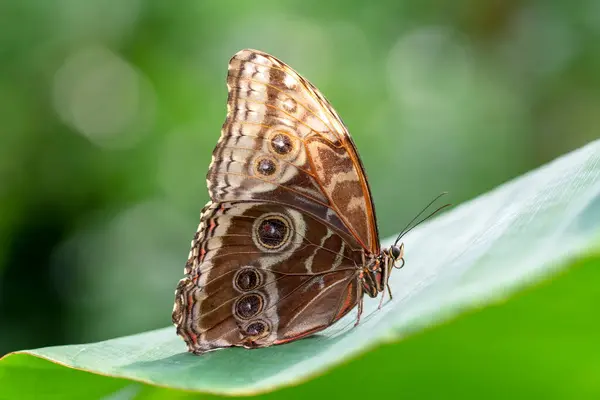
{"x":288,"y":243}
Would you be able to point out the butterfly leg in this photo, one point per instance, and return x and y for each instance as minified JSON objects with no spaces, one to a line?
{"x":360,"y":310}
{"x":390,"y":291}
{"x":359,"y":295}
{"x":381,"y":301}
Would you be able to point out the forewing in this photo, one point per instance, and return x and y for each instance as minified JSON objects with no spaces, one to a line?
{"x":283,"y":142}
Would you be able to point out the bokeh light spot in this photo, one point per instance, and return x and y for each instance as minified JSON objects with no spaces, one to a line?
{"x":103,"y":97}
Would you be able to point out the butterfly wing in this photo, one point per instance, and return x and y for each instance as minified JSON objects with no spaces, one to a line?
{"x":285,"y":167}
{"x":253,"y":280}
{"x":282,"y":140}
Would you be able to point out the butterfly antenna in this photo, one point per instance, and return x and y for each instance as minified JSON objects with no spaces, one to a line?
{"x":421,"y":221}
{"x":407,"y":229}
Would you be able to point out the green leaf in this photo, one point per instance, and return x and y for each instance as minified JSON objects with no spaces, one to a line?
{"x":470,"y":258}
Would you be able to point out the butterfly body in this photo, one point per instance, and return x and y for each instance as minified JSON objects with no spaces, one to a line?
{"x":288,"y":243}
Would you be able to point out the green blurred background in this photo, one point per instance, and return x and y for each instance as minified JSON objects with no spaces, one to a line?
{"x":110,"y":110}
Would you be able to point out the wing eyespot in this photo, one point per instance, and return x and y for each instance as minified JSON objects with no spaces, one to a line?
{"x":257,"y":329}
{"x":289,"y":105}
{"x":247,"y":279}
{"x":248,"y":306}
{"x":272,"y":232}
{"x":265,"y":166}
{"x":281,"y":144}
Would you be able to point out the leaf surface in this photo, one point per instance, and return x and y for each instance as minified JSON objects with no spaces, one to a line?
{"x":478,"y":253}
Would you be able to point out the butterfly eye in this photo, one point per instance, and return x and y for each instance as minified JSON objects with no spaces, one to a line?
{"x":248,"y":306}
{"x":395,"y":252}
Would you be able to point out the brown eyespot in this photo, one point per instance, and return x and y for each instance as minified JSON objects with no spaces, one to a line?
{"x":273,"y":231}
{"x":257,"y":328}
{"x":289,"y":104}
{"x":281,"y":144}
{"x":248,"y":306}
{"x":246,"y":279}
{"x":265,"y":166}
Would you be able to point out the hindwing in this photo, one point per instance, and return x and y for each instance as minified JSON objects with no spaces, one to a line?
{"x":261,"y":274}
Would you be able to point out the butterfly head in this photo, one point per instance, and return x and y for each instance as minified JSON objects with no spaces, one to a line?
{"x":393,"y":258}
{"x":396,"y":254}
{"x":377,"y":273}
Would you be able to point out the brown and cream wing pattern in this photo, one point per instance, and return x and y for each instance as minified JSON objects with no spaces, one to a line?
{"x":282,"y":140}
{"x":260,"y":274}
